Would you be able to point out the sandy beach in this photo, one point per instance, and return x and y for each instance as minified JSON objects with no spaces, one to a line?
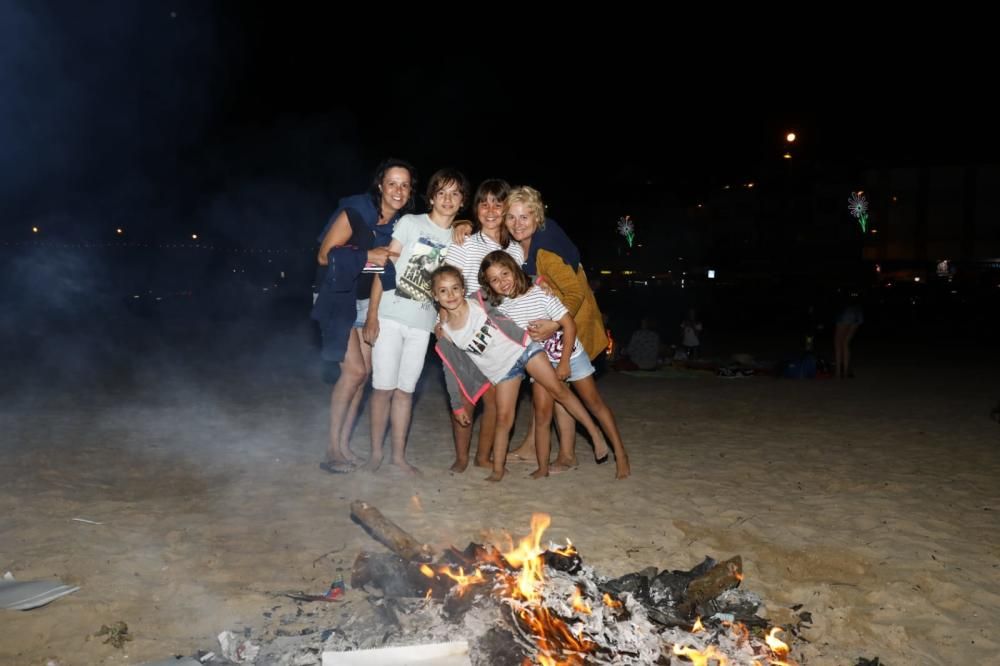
{"x":872,"y":502}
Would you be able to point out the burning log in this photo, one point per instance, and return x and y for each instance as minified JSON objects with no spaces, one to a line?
{"x":389,"y":534}
{"x":392,"y":574}
{"x":723,"y":576}
{"x":558,"y":611}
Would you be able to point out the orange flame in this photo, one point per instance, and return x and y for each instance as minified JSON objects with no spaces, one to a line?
{"x":567,"y":551}
{"x":698,"y":658}
{"x":579,"y":605}
{"x":611,"y":603}
{"x":463,"y":580}
{"x":427,"y":571}
{"x":778,"y":646}
{"x":698,"y":626}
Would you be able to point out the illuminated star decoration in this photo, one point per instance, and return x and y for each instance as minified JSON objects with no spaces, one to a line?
{"x":627,"y":229}
{"x":858,"y":206}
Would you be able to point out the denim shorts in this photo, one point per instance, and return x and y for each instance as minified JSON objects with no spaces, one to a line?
{"x":517,"y":372}
{"x":362,"y":306}
{"x":580,"y":367}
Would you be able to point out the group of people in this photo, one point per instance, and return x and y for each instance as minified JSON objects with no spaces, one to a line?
{"x":505,"y":296}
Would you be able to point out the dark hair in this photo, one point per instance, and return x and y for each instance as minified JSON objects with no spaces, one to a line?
{"x":499,"y":189}
{"x":447,"y":269}
{"x":375,"y":189}
{"x":522,"y":283}
{"x":444,"y":176}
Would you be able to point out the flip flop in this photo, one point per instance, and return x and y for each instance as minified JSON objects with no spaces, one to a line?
{"x":336,"y":467}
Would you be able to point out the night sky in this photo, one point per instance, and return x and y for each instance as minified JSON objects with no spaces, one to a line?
{"x":247,"y":121}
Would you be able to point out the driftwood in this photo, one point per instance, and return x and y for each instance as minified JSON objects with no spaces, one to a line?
{"x":389,"y":534}
{"x":723,"y":576}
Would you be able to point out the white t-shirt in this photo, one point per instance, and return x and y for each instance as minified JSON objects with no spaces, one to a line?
{"x":468,"y":257}
{"x":492,"y":351}
{"x":536,"y":304}
{"x":690,"y":337}
{"x":425,"y":245}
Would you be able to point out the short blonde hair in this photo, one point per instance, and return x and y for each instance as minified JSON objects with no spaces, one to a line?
{"x":530,"y":198}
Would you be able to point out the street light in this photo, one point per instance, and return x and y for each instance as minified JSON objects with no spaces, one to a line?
{"x":790,"y":137}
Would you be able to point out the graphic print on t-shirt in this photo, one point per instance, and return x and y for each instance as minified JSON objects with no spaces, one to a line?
{"x":480,"y":339}
{"x":415,"y":280}
{"x":554,"y":346}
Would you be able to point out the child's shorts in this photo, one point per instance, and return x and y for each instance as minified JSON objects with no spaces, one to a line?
{"x":517,"y":372}
{"x":580,"y":367}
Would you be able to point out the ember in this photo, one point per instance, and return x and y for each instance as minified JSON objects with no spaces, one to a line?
{"x":549,"y":608}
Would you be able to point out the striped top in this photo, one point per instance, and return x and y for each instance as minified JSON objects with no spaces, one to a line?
{"x":468,"y":256}
{"x":536,"y":304}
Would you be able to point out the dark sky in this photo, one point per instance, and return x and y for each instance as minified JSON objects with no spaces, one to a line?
{"x":233,"y":115}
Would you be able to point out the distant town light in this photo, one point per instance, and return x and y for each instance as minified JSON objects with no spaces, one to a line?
{"x":119,"y":231}
{"x":711,"y":273}
{"x":916,"y":279}
{"x":787,"y":156}
{"x":790,"y":137}
{"x":34,"y":230}
{"x":194,"y":236}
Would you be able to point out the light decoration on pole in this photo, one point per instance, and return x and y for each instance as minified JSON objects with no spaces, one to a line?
{"x":857,"y":205}
{"x":627,"y":229}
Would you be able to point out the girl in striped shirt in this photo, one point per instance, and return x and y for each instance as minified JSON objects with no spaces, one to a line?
{"x":509,"y":289}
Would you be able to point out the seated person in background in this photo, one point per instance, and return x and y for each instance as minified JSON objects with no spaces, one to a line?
{"x":644,"y":346}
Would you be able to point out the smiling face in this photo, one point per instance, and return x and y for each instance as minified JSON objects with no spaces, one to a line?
{"x":521,"y":221}
{"x":448,"y":199}
{"x":489,"y":212}
{"x":396,"y":187}
{"x":449,"y":291}
{"x":501,"y":279}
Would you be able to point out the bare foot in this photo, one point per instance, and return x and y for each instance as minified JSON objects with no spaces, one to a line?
{"x":538,"y":473}
{"x":372,"y":465}
{"x":623,"y":469}
{"x":522,"y":454}
{"x":601,"y":450}
{"x":459,"y":465}
{"x":351,"y":456}
{"x":495,"y":476}
{"x":484,"y":463}
{"x":558,"y":467}
{"x":407,"y":468}
{"x":565,"y":464}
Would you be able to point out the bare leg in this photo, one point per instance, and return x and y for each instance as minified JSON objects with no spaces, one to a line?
{"x":344,"y":400}
{"x":506,"y":404}
{"x":380,"y":403}
{"x":566,"y":425}
{"x":526,"y":450}
{"x":400,"y":413}
{"x":540,"y":368}
{"x":462,"y":435}
{"x":352,"y":411}
{"x":586,"y":388}
{"x":542,"y":404}
{"x":487,"y":428}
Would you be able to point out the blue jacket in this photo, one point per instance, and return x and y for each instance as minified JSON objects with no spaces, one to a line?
{"x":337,"y":282}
